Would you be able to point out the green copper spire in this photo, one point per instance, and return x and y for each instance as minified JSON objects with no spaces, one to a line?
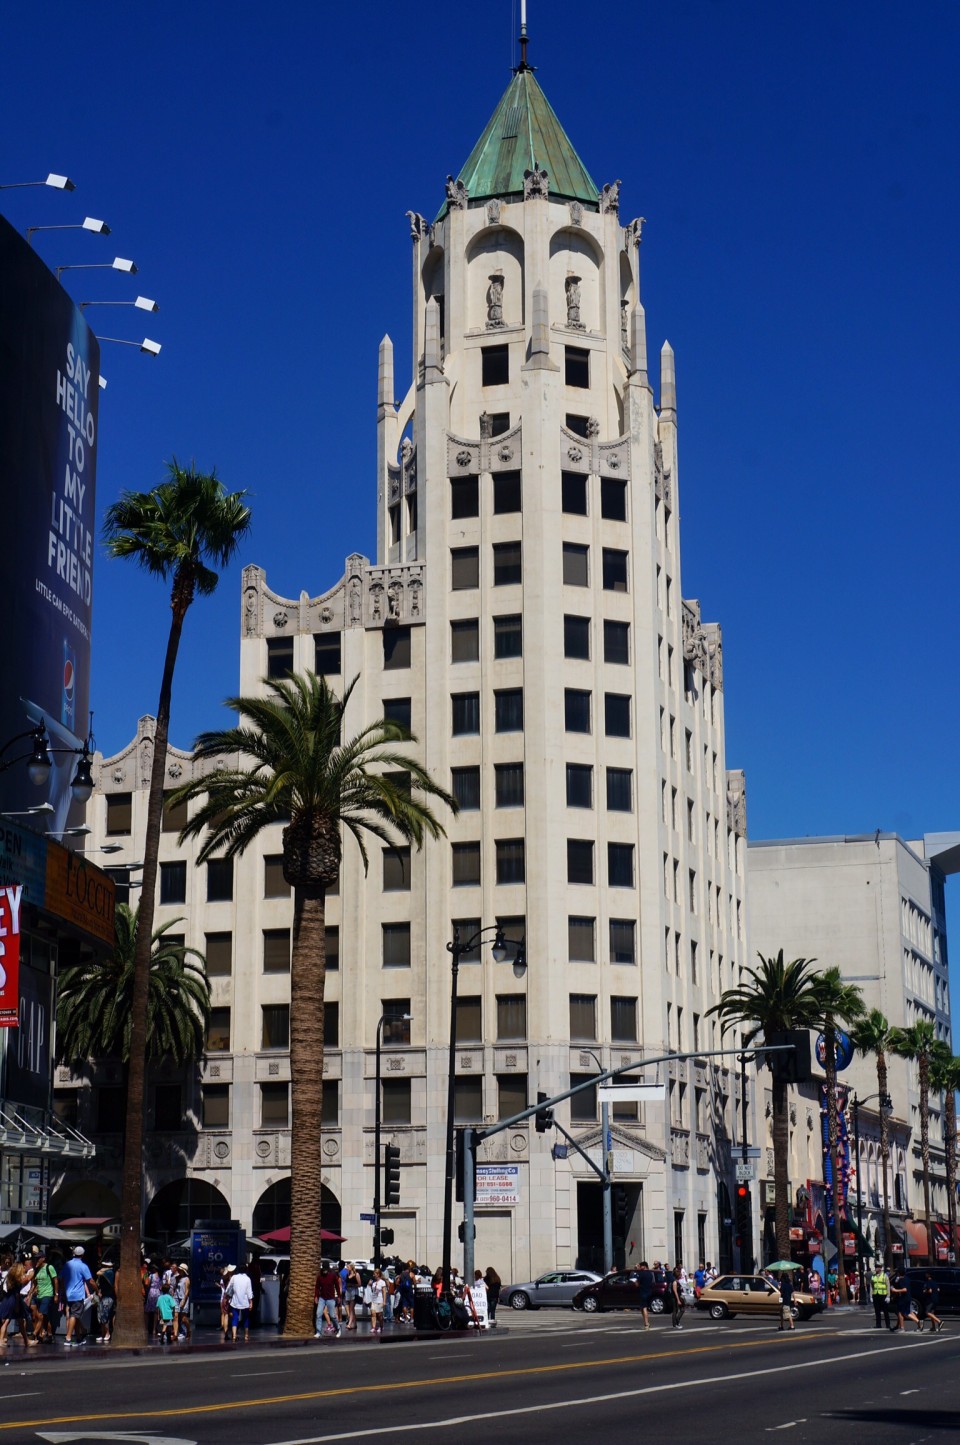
{"x":523,"y":133}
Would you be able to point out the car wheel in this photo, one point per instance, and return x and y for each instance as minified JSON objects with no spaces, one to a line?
{"x":591,"y":1305}
{"x":519,"y":1301}
{"x":656,"y":1305}
{"x":718,"y":1311}
{"x":795,"y":1311}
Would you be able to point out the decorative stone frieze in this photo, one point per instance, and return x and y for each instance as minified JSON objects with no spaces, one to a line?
{"x":536,"y":185}
{"x":589,"y":454}
{"x":702,"y":643}
{"x":467,"y":456}
{"x":680,"y":1147}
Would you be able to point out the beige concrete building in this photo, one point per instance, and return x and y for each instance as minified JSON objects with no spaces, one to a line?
{"x":525,"y":615}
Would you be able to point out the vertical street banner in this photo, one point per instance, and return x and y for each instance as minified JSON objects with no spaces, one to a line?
{"x":10,"y":899}
{"x":49,"y":397}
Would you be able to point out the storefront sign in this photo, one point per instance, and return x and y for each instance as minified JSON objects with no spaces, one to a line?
{"x":498,"y":1184}
{"x":11,"y":897}
{"x":843,"y":1050}
{"x":80,"y":893}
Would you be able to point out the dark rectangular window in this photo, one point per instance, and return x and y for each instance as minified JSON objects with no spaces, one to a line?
{"x":577,"y":424}
{"x":174,"y":816}
{"x":614,"y":570}
{"x":620,"y":865}
{"x":616,"y":642}
{"x":511,"y":860}
{"x":274,"y":883}
{"x":215,"y":1109}
{"x":466,"y":713}
{"x":576,"y":637}
{"x":218,"y":1032}
{"x":508,"y":778}
{"x":613,"y":499}
{"x":620,"y":790}
{"x":121,"y":883}
{"x":326,"y":654}
{"x":513,"y":927}
{"x":396,"y":1015}
{"x":623,"y":940}
{"x":583,"y":1017}
{"x":511,"y":1016}
{"x":397,"y":710}
{"x":583,"y":1105}
{"x":616,"y":714}
{"x":465,"y":786}
{"x":576,"y":366}
{"x":331,"y":1024}
{"x":468,"y":1098}
{"x":275,"y":1026}
{"x":511,"y":1095}
{"x":465,"y":640}
{"x":581,"y":939}
{"x":274,"y":1106}
{"x":464,"y":568}
{"x":576,"y":565}
{"x":167,"y":1108}
{"x":396,"y":870}
{"x":119,"y":814}
{"x":498,"y":422}
{"x":495,"y":365}
{"x":111,"y":1110}
{"x":623,"y":1020}
{"x":276,"y":950}
{"x":508,"y":636}
{"x":506,"y":492}
{"x":579,"y":785}
{"x":579,"y":860}
{"x":396,"y":647}
{"x":279,"y":656}
{"x":576,"y":710}
{"x":218,"y":952}
{"x":466,"y":864}
{"x":464,"y":497}
{"x":573,"y":493}
{"x":396,"y":945}
{"x":508,"y":710}
{"x":506,"y":563}
{"x":469,"y":1018}
{"x":173,"y":882}
{"x":331,"y":939}
{"x":330,"y":1104}
{"x":394,"y":516}
{"x":467,"y":928}
{"x":220,"y":880}
{"x":396,"y":1101}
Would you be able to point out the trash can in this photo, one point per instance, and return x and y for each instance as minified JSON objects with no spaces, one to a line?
{"x":424,"y":1308}
{"x":270,"y":1300}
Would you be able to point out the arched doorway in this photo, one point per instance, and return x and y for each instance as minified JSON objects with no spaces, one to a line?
{"x":272,"y":1209}
{"x":173,"y":1209}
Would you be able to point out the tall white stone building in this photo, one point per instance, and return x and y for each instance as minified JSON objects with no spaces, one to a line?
{"x":524,"y":614}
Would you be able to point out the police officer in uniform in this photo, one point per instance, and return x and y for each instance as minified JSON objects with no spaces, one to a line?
{"x":880,"y":1289}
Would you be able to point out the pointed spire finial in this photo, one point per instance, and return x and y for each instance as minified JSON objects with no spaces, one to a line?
{"x":523,"y":36}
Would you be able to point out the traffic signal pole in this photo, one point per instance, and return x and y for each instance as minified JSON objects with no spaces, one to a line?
{"x":746,"y":1236}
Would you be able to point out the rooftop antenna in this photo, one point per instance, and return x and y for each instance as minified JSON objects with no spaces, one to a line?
{"x":523,"y":36}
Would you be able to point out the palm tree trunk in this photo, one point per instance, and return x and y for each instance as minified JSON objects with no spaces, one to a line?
{"x":781,"y":1168}
{"x":924,"y":1080}
{"x":884,"y":1154}
{"x":129,"y":1324}
{"x":307,"y":980}
{"x":833,"y":1146}
{"x":950,"y":1147}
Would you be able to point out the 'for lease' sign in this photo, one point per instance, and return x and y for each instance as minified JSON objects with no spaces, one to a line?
{"x":498,"y":1184}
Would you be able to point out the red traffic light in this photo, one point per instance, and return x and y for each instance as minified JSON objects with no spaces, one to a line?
{"x":742,"y":1191}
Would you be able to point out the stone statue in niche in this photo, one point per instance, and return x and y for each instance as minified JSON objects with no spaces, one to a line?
{"x":493,"y":212}
{"x":572,"y":285}
{"x":486,"y":426}
{"x":593,"y":427}
{"x":535,"y":184}
{"x":354,"y":601}
{"x":456,"y":194}
{"x":610,"y":198}
{"x":394,"y":595}
{"x":406,"y":452}
{"x":413,"y":587}
{"x":376,"y":595}
{"x":625,"y":324}
{"x":250,"y":612}
{"x":495,"y":301}
{"x":576,"y":213}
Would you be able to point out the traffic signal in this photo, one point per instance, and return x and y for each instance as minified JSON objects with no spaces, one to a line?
{"x":743,"y":1211}
{"x":792,"y":1066}
{"x":386,"y":1236}
{"x":460,"y":1173}
{"x":462,"y":1231}
{"x":391,"y":1174}
{"x":544,"y":1117}
{"x":620,"y":1208}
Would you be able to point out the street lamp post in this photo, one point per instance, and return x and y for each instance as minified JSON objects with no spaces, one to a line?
{"x":376,"y":1141}
{"x":607,"y":1183}
{"x":456,"y":949}
{"x":886,"y":1105}
{"x":39,"y":764}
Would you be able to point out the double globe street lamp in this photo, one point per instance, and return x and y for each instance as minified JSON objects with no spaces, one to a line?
{"x":39,"y":763}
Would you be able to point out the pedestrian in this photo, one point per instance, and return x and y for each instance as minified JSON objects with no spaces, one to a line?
{"x":929,"y":1300}
{"x":240,"y":1299}
{"x":699,"y":1278}
{"x":152,"y":1285}
{"x":11,"y":1301}
{"x":786,"y":1302}
{"x":645,"y":1287}
{"x":326,"y":1295}
{"x":900,"y":1295}
{"x":880,"y":1294}
{"x":47,"y":1297}
{"x":181,"y":1291}
{"x":406,"y":1286}
{"x":494,"y":1285}
{"x":228,"y":1270}
{"x":352,"y":1286}
{"x":105,"y":1283}
{"x":166,"y":1310}
{"x":677,"y":1301}
{"x":77,"y":1285}
{"x":378,"y":1300}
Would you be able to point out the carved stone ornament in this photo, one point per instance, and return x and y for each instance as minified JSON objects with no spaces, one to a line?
{"x":610,"y":198}
{"x":464,"y":458}
{"x":326,"y":615}
{"x":221,"y":1148}
{"x":493,"y":212}
{"x":413,"y":587}
{"x":456,"y":194}
{"x":394,"y":595}
{"x":495,"y":301}
{"x":280,"y":619}
{"x":535,"y":184}
{"x":250,"y":611}
{"x":572,"y":288}
{"x":575,"y":454}
{"x":395,"y":1064}
{"x":394,"y":489}
{"x":505,"y":454}
{"x":511,"y":1061}
{"x":486,"y":426}
{"x":466,"y":1061}
{"x":263,"y":1147}
{"x":331,"y":1147}
{"x":419,"y":226}
{"x":518,"y":1142}
{"x":175,"y":770}
{"x":118,"y":775}
{"x":406,"y":451}
{"x":376,"y":595}
{"x":593,"y":427}
{"x":613,"y":462}
{"x":625,"y":324}
{"x":576,"y":213}
{"x":633,"y":233}
{"x":354,"y":601}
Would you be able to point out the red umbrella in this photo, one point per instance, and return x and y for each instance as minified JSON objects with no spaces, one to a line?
{"x":282,"y":1236}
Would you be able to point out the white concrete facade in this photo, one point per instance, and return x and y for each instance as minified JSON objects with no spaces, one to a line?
{"x":525,"y":611}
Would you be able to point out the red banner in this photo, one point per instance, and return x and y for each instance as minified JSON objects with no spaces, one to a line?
{"x":10,"y":896}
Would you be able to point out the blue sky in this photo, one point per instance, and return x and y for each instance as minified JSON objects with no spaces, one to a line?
{"x":797,"y":169}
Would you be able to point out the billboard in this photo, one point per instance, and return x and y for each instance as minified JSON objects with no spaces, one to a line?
{"x":10,"y":899}
{"x":49,"y":395}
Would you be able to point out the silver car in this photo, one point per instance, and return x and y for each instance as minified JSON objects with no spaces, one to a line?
{"x":556,"y":1287}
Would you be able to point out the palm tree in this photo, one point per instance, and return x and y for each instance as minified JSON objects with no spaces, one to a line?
{"x":179,"y":532}
{"x":945,"y":1076}
{"x":286,"y":762}
{"x":841,"y":1002}
{"x":920,"y":1044}
{"x":94,"y":1000}
{"x":775,"y":998}
{"x":873,"y":1035}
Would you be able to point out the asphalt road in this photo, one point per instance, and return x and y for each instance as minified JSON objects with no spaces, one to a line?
{"x":832,"y":1381}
